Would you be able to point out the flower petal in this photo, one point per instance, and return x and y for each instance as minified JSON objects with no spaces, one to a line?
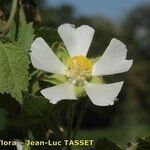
{"x":76,"y":40}
{"x":19,"y":146}
{"x":103,"y":94}
{"x":113,"y":60}
{"x":43,"y":57}
{"x":59,"y":92}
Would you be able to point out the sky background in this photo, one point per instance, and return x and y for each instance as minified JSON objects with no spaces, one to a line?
{"x":112,"y":9}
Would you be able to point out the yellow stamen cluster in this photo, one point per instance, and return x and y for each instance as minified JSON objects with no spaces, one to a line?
{"x":79,"y":69}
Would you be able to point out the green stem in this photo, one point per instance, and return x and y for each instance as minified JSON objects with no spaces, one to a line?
{"x":81,"y":115}
{"x":70,"y":123}
{"x":11,"y":17}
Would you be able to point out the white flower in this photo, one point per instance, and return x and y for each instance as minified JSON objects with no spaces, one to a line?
{"x":79,"y":69}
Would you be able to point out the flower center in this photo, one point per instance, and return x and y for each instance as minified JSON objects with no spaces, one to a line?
{"x":79,"y":69}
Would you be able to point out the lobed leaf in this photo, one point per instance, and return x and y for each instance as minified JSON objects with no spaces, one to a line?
{"x":36,"y":110}
{"x":25,"y":36}
{"x":14,"y":64}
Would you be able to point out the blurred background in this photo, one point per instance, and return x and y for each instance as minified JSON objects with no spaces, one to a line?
{"x":127,"y":20}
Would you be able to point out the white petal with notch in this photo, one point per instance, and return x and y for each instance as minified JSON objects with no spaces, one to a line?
{"x":59,"y":92}
{"x":76,"y":40}
{"x":103,"y":94}
{"x":113,"y":60}
{"x":43,"y":57}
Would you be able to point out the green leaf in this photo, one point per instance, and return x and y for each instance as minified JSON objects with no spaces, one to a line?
{"x":14,"y":65}
{"x":94,"y":60}
{"x":55,"y":79}
{"x":61,"y":52}
{"x":79,"y":91}
{"x":37,"y":110}
{"x":12,"y":31}
{"x":34,"y":110}
{"x":95,"y":79}
{"x":104,"y":144}
{"x":26,"y":36}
